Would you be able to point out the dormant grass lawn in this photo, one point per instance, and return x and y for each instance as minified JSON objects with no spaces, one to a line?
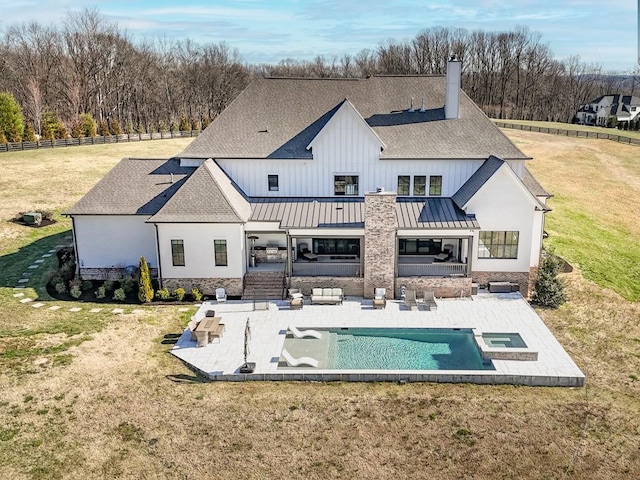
{"x":98,"y":396}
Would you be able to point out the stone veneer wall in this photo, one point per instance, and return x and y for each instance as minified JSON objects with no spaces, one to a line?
{"x":111,"y":273}
{"x":521,"y":278}
{"x":208,"y":286}
{"x":353,"y":286}
{"x":443,"y":287}
{"x":380,"y":225}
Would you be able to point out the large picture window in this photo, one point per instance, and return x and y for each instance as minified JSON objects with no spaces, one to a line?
{"x":336,"y":246}
{"x":435,"y":185}
{"x":220,"y":249}
{"x":404,"y":184}
{"x":419,"y":246}
{"x":419,"y":185}
{"x":498,"y":245}
{"x":345,"y":185}
{"x":177,"y":253}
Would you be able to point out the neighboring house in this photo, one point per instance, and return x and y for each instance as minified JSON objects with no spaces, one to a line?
{"x":623,"y":108}
{"x":389,"y":181}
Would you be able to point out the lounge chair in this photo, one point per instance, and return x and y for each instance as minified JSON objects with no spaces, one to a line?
{"x":304,"y":333}
{"x":410,"y":299}
{"x":380,"y":298}
{"x":299,"y":362}
{"x":221,"y":295}
{"x":306,"y":253}
{"x":429,"y":299}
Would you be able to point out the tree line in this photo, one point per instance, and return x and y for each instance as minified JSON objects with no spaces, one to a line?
{"x":89,"y":77}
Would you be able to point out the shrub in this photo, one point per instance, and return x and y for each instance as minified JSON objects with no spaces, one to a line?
{"x":46,"y":214}
{"x":101,"y":292}
{"x":162,"y":294}
{"x":185,"y":125}
{"x":549,"y":289}
{"x":11,"y":118}
{"x":145,"y":290}
{"x":75,"y":291}
{"x":179,"y":294}
{"x":87,"y":285}
{"x":116,"y":128}
{"x":61,"y":287}
{"x":128,"y":284}
{"x":29,"y":133}
{"x":108,"y":285}
{"x":196,"y":294}
{"x":119,"y":295}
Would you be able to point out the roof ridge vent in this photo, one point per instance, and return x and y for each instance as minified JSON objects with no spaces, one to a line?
{"x":411,"y":109}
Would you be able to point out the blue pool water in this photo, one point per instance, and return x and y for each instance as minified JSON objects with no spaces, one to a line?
{"x":404,"y":349}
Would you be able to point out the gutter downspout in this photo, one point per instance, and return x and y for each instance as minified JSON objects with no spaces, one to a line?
{"x":158,"y":256}
{"x":75,"y":246}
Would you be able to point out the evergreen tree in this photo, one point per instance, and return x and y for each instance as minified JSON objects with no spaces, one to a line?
{"x":29,"y":133}
{"x":103,"y":129}
{"x":3,"y":139}
{"x":145,"y":289}
{"x":184,"y":124}
{"x":87,"y":125}
{"x":11,"y":118}
{"x":549,"y":289}
{"x":116,"y":129}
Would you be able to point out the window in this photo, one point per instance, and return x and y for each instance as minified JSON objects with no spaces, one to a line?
{"x":336,"y":246}
{"x":419,"y":185}
{"x":177,"y":253}
{"x":498,"y":245}
{"x":220,"y":249}
{"x":419,"y":246}
{"x":435,"y":185}
{"x":273,"y":183}
{"x":404,"y":184}
{"x":345,"y":185}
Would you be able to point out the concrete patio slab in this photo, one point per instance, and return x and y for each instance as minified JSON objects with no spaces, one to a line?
{"x":498,"y":313}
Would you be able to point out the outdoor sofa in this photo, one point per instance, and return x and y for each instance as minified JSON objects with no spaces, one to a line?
{"x":330,"y":296}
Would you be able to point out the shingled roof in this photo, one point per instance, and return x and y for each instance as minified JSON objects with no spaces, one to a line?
{"x":476,"y":181}
{"x":207,"y":196}
{"x":278,"y":118}
{"x":133,"y":187}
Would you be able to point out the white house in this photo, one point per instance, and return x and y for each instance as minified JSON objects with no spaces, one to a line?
{"x":388,"y":181}
{"x":624,"y":108}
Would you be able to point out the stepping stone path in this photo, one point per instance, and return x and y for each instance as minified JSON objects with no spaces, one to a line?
{"x":117,"y":310}
{"x":40,"y":260}
{"x":33,"y":266}
{"x":26,"y":300}
{"x":23,"y":280}
{"x":182,"y":309}
{"x":38,"y":305}
{"x":75,"y":309}
{"x":46,"y":255}
{"x":16,"y":295}
{"x":55,"y":307}
{"x":95,"y":310}
{"x":137,"y":311}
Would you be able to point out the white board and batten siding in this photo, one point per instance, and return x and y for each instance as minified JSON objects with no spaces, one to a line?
{"x":198,"y":240}
{"x":345,"y":146}
{"x":105,"y":241}
{"x":503,"y":204}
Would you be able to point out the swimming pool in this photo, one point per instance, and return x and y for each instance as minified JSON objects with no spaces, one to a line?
{"x":403,"y":349}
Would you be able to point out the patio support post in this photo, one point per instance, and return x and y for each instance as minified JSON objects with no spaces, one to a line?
{"x":469,"y":256}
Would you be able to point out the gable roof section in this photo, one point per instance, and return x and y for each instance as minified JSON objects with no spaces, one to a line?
{"x":533,"y":185}
{"x":346,"y":108}
{"x":133,"y":187}
{"x":279,"y":118}
{"x":207,"y":196}
{"x":476,"y":181}
{"x":480,"y":177}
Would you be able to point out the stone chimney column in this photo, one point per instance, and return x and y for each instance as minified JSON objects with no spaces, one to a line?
{"x":380,"y":225}
{"x":452,"y":95}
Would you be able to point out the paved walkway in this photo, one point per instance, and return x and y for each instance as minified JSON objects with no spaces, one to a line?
{"x":503,"y":313}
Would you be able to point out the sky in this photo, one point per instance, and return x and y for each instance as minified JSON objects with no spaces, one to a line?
{"x":601,"y":32}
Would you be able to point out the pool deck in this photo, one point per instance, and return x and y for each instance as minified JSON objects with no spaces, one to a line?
{"x":503,"y":313}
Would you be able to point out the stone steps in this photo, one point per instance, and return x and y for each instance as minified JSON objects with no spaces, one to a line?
{"x":263,"y":286}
